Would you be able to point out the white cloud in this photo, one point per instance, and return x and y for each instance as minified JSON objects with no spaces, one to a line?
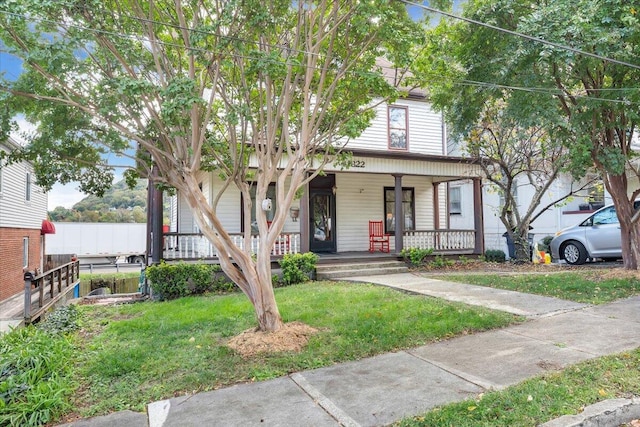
{"x":64,"y":195}
{"x":68,"y":195}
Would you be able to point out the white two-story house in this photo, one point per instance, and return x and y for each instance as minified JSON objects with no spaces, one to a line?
{"x":23,"y":214}
{"x":399,"y":163}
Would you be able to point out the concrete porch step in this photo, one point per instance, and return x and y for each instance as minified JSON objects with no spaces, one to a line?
{"x":335,"y":271}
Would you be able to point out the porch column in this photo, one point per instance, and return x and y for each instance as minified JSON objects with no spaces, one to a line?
{"x":156,"y":220}
{"x":304,"y":220}
{"x":478,"y":218}
{"x":399,"y":227}
{"x":436,"y":205}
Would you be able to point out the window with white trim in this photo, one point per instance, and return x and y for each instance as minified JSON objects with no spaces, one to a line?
{"x":455,"y":201}
{"x":27,"y":194}
{"x":408,"y":209}
{"x":25,"y":252}
{"x":398,"y":127}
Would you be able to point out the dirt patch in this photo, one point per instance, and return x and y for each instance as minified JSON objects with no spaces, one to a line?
{"x":292,"y":336}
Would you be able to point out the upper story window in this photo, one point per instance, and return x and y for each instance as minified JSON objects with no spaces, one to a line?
{"x":398,"y":127}
{"x":455,"y":201}
{"x":27,"y":194}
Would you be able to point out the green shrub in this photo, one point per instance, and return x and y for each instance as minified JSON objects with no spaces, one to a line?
{"x":544,"y":244}
{"x":35,"y":375}
{"x":171,"y":281}
{"x":63,"y":320}
{"x":495,"y":255}
{"x":440,"y":261}
{"x":298,"y":268}
{"x":415,"y":256}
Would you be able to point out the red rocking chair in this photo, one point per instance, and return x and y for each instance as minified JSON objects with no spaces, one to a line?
{"x":377,"y":237}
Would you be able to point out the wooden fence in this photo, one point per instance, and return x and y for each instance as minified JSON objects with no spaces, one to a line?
{"x":115,"y":286}
{"x":43,"y":291}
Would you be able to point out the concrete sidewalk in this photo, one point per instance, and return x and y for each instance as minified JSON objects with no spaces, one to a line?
{"x":383,"y":389}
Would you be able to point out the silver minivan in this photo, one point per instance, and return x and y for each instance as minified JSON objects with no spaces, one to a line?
{"x":596,"y":237}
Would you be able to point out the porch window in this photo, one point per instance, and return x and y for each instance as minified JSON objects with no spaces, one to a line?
{"x":455,"y":201}
{"x":398,"y":125}
{"x":271,"y":194}
{"x":408,"y":209}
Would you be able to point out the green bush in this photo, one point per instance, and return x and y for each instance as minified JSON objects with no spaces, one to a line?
{"x":36,"y":371}
{"x":543,"y":245}
{"x":171,"y":281}
{"x":440,"y":261}
{"x":495,"y":255}
{"x":63,"y":320}
{"x":415,"y":256}
{"x":298,"y":268}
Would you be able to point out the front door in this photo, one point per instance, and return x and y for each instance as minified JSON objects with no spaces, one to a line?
{"x":322,"y":215}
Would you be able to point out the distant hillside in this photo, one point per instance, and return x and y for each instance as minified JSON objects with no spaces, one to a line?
{"x":119,"y":204}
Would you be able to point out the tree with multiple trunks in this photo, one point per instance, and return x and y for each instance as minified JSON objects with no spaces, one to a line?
{"x":250,"y":91}
{"x":576,"y":74}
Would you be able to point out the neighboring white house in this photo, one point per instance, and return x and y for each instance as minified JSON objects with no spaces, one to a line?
{"x":23,"y":208}
{"x":567,"y":213}
{"x":402,"y":155}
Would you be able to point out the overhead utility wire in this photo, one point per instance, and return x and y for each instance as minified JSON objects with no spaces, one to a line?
{"x":236,"y":55}
{"x":522,"y":35}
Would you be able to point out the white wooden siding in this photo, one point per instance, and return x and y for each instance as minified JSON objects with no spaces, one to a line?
{"x":15,"y":210}
{"x":360,"y":198}
{"x":228,"y":209}
{"x":424,"y":135}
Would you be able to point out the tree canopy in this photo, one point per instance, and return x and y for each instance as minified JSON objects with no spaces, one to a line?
{"x":575,"y":71}
{"x":250,"y":91}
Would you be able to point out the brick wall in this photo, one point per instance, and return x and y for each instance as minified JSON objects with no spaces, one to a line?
{"x":11,"y":259}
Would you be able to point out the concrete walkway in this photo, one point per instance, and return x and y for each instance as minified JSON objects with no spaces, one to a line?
{"x":386,"y":388}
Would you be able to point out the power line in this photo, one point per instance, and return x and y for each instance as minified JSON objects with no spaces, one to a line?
{"x":135,"y":38}
{"x":522,"y":35}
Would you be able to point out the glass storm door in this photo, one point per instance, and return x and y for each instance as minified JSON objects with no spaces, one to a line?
{"x":322,"y":221}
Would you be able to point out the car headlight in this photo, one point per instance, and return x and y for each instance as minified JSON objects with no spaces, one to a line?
{"x":558,"y":233}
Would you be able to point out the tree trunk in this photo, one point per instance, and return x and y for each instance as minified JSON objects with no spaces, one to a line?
{"x":629,"y":232}
{"x":251,"y":273}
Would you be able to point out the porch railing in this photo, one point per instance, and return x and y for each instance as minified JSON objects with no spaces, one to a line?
{"x":441,"y":240}
{"x":43,"y":291}
{"x":197,"y":246}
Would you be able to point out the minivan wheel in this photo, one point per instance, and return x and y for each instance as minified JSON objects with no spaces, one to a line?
{"x":574,"y":253}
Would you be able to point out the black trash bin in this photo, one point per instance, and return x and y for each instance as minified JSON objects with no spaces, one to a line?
{"x":511,"y":246}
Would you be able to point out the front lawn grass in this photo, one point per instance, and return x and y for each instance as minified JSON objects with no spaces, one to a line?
{"x":543,"y":398}
{"x":590,"y":287}
{"x":136,"y":354}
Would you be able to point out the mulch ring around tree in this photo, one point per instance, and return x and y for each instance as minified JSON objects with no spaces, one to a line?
{"x":293,"y":336}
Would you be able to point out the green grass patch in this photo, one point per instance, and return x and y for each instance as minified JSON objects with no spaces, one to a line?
{"x":140,"y":353}
{"x":35,"y":371}
{"x":110,"y":276}
{"x":543,"y":398}
{"x":590,"y":287}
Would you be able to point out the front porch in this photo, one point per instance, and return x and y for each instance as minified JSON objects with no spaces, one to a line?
{"x":195,"y":246}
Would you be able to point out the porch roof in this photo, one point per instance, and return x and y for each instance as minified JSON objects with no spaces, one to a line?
{"x":438,"y":167}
